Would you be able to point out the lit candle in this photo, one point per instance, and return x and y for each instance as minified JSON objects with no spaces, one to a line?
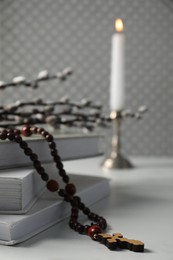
{"x":117,"y":88}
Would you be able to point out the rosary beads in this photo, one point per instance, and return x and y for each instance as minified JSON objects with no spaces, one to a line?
{"x":68,"y":193}
{"x":94,"y":230}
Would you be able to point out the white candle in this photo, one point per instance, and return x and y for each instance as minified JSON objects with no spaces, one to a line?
{"x":117,"y":87}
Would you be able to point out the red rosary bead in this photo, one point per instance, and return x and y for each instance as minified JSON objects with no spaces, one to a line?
{"x":3,"y":135}
{"x":70,"y":189}
{"x":52,"y":185}
{"x":26,"y":131}
{"x":93,"y":230}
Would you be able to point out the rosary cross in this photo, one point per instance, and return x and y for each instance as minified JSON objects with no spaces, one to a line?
{"x":117,"y":240}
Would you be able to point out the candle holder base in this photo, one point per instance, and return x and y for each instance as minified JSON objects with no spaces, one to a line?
{"x":117,"y":162}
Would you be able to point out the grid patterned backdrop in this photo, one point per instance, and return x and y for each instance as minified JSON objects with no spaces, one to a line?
{"x":37,"y":35}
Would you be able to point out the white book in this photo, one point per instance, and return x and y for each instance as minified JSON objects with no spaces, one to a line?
{"x":50,"y":209}
{"x":19,"y":189}
{"x":70,"y":146}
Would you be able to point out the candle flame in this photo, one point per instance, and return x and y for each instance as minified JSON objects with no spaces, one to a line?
{"x":119,"y":26}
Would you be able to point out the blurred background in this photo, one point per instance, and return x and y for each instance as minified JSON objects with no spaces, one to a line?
{"x":37,"y":35}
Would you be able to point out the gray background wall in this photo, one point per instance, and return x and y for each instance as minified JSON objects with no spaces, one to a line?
{"x":36,"y":35}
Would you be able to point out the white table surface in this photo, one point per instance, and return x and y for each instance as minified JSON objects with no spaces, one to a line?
{"x":140,"y":206}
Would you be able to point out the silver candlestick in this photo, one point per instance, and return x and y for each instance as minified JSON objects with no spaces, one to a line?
{"x":116,"y":160}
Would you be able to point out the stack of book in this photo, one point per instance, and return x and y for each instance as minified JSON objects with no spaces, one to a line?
{"x":26,"y":207}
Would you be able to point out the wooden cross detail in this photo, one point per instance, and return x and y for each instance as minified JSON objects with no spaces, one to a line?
{"x":117,"y":240}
